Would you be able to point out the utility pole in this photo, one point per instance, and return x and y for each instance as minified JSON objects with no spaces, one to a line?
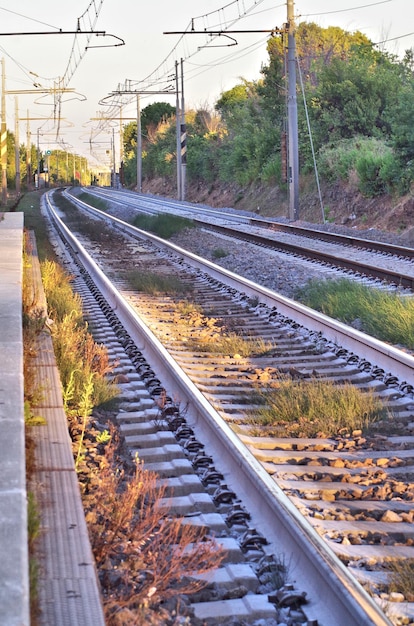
{"x":178,"y":133}
{"x":139,"y":146}
{"x":183,"y":137}
{"x":139,"y":128}
{"x":3,"y":136}
{"x":293,"y":174}
{"x":16,"y":146}
{"x":28,"y":156}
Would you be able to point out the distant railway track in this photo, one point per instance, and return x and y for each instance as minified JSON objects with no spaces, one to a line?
{"x":355,"y":492}
{"x":382,"y":261}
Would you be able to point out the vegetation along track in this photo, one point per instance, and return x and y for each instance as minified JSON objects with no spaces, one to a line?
{"x":384,"y":262}
{"x":354,"y":489}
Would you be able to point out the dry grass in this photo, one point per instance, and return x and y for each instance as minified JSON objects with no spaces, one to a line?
{"x":401,"y":578}
{"x":311,"y":407}
{"x":231,"y":344}
{"x":145,"y":556}
{"x":77,"y":355}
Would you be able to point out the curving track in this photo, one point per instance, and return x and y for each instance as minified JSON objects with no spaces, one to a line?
{"x":353,"y":491}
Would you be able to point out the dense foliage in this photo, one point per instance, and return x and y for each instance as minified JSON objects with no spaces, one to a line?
{"x":359,"y":101}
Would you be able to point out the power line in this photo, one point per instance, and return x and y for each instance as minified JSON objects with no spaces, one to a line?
{"x":362,"y":6}
{"x":165,"y":69}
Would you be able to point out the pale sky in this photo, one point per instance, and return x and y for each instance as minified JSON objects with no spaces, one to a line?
{"x":33,"y":62}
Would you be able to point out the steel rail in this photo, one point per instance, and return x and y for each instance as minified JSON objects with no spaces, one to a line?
{"x":380,"y":354}
{"x":303,"y":231}
{"x":335,"y":597}
{"x":386,"y":275}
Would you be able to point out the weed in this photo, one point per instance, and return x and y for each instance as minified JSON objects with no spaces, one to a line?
{"x":33,"y":519}
{"x":85,"y":409}
{"x":153,"y":555}
{"x":103,"y":438}
{"x":98,"y":203}
{"x":95,"y":229}
{"x":309,"y":408}
{"x":401,"y":578}
{"x":152,"y":283}
{"x":219,"y":253}
{"x":232,"y":344}
{"x":184,"y":308}
{"x":33,"y":531}
{"x":30,"y":419}
{"x":164,"y":225}
{"x":387,"y":316}
{"x":77,"y":355}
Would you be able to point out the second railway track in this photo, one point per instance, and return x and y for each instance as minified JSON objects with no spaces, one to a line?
{"x":355,"y":491}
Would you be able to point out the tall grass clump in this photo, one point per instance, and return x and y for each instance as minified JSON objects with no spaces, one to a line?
{"x":384,"y":315}
{"x":77,"y":355}
{"x":307,"y":408}
{"x":164,"y":225}
{"x":154,"y":284}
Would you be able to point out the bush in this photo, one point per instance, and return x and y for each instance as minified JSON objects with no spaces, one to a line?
{"x":376,"y":164}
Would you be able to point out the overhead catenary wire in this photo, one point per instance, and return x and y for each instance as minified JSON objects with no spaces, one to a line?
{"x":166,"y":67}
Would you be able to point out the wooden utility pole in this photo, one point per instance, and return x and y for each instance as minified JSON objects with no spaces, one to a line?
{"x":293,"y":174}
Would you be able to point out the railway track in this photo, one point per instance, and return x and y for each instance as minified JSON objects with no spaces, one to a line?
{"x":384,"y":262}
{"x":354,"y":492}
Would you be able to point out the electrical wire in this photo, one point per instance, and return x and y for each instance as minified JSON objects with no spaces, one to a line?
{"x":363,"y":6}
{"x":165,"y":70}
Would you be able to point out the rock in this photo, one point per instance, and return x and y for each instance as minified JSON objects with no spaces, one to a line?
{"x":391,"y":517}
{"x":396,"y":597}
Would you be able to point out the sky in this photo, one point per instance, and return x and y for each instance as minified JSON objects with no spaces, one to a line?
{"x":77,"y":121}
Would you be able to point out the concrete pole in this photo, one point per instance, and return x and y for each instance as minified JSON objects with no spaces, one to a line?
{"x":28,"y":156}
{"x":178,"y":137}
{"x":38,"y":161}
{"x":17,"y":146}
{"x":139,"y":146}
{"x":113,"y":160}
{"x":293,"y":174}
{"x":183,"y":137}
{"x":3,"y":136}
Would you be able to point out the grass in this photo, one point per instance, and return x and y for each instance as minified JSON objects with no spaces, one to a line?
{"x":232,"y":344}
{"x":154,"y":284}
{"x":184,"y":308}
{"x":95,"y":229}
{"x":401,"y":578}
{"x":33,"y":531}
{"x":33,"y":220}
{"x":98,"y":203}
{"x":218,"y":253}
{"x":386,"y":316}
{"x":153,"y":556}
{"x":77,"y":355}
{"x":315,"y":407}
{"x":163,"y":224}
